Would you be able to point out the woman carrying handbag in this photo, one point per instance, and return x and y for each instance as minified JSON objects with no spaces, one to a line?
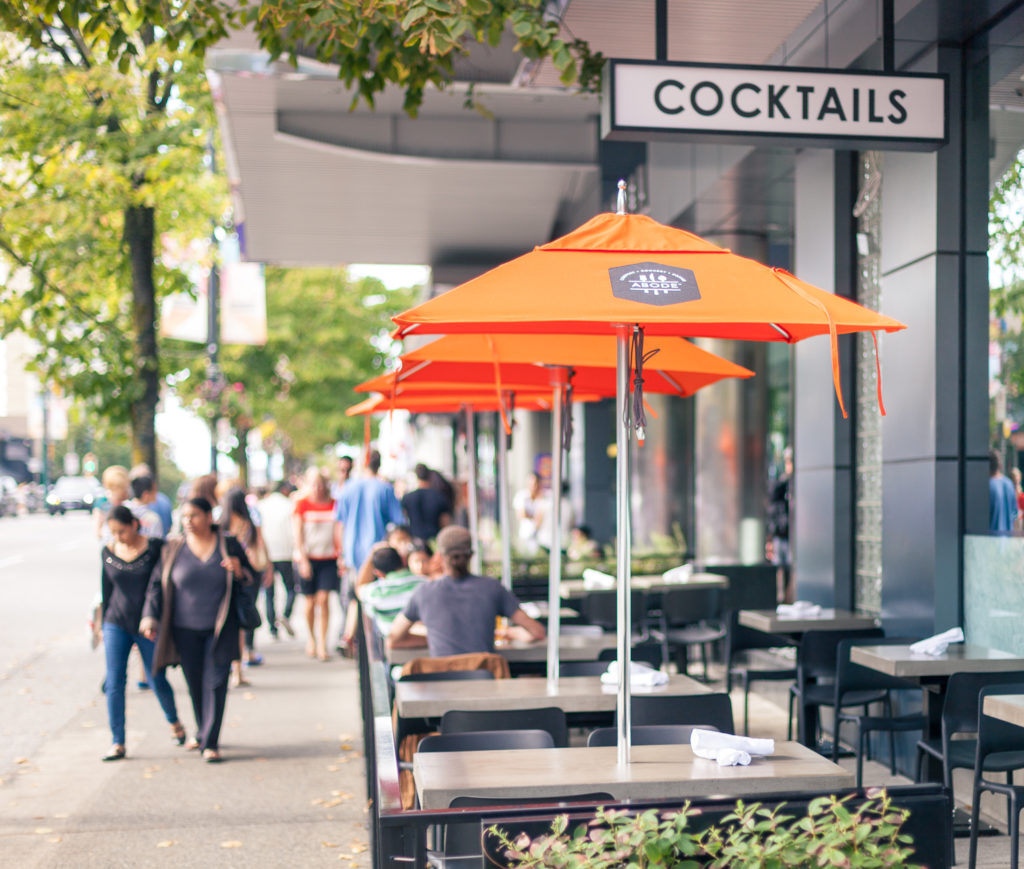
{"x":192,"y":613}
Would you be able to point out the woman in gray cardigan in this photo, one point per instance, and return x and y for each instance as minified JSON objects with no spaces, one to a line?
{"x":188,"y":610}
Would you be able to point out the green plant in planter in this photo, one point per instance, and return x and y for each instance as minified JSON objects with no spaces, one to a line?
{"x":830,"y":834}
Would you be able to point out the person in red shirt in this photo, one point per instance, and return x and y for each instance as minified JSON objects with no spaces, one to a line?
{"x":317,"y":549}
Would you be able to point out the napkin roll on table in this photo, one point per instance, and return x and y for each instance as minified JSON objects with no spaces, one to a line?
{"x":729,"y":750}
{"x":596,"y":580}
{"x":937,"y":645}
{"x":641,"y":675}
{"x":802,"y":609}
{"x":682,"y":573}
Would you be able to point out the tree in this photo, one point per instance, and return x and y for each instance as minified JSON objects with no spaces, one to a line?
{"x":326,"y":333}
{"x":105,"y":131}
{"x":412,"y":44}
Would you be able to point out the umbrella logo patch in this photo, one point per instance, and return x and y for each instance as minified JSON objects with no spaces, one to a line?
{"x":654,"y":284}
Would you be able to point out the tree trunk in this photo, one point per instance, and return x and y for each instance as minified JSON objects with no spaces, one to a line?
{"x":139,"y":234}
{"x":241,"y":455}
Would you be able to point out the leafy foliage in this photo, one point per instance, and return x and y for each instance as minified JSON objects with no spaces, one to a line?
{"x":1006,"y":301}
{"x":326,"y":333}
{"x":830,"y":834}
{"x":98,"y":162}
{"x":375,"y":43}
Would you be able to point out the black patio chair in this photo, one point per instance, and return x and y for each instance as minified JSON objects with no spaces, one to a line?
{"x":646,"y":734}
{"x":447,"y":676}
{"x":1000,"y":748}
{"x":582,"y":668}
{"x":647,"y":653}
{"x":700,"y":710}
{"x":690,"y":617}
{"x":549,"y":718}
{"x":740,"y":639}
{"x":815,"y":678}
{"x":853,"y":682}
{"x":601,"y":608}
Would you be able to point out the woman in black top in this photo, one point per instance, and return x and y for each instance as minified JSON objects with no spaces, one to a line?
{"x":128,"y":561}
{"x":188,"y":610}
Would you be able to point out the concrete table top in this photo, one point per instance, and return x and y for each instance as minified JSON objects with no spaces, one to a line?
{"x":827,"y":620}
{"x":574,"y":588}
{"x":656,"y":772}
{"x":958,"y":658}
{"x":1006,"y":707}
{"x":572,"y":694}
{"x":571,"y":647}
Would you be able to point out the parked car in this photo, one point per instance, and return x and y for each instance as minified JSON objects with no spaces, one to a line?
{"x":72,"y":493}
{"x":8,"y":496}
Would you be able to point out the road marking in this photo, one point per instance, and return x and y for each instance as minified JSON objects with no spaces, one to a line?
{"x":10,"y":561}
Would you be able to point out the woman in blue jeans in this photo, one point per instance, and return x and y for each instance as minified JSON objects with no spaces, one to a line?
{"x":128,"y":562}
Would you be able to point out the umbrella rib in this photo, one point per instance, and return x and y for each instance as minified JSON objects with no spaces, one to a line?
{"x":402,"y":375}
{"x":671,"y":381}
{"x":787,"y":335}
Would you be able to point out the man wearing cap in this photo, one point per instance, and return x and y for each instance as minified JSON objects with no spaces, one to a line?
{"x":459,"y":609}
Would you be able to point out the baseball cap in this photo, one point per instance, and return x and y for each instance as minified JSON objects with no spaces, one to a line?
{"x":454,"y":538}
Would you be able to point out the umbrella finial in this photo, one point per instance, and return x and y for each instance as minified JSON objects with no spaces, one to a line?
{"x":620,"y":202}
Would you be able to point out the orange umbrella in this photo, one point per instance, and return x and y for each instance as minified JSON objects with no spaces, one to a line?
{"x":628,"y":269}
{"x":629,"y":275}
{"x":519,"y":361}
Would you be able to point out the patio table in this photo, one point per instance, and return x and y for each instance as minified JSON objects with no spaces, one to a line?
{"x":1006,"y":707}
{"x":656,"y":772}
{"x":571,"y":694}
{"x":575,"y":588}
{"x":571,"y":647}
{"x":771,"y":622}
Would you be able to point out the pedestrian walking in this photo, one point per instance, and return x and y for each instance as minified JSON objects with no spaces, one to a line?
{"x":426,"y":508}
{"x":237,"y":520}
{"x":365,"y":508}
{"x":127,"y":564}
{"x":316,"y":547}
{"x":276,"y":511}
{"x":189,"y":612}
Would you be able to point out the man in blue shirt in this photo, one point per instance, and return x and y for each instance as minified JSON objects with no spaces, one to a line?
{"x":1002,"y":499}
{"x":365,"y":507}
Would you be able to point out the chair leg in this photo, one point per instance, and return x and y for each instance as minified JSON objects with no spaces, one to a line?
{"x":789,"y":724}
{"x":704,"y":660}
{"x":835,"y":737}
{"x":975,"y":819}
{"x":862,"y":736}
{"x":746,"y":707}
{"x":1014,"y":824}
{"x":892,"y":737}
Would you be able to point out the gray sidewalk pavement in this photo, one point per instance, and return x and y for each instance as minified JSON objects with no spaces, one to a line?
{"x":291,"y":792}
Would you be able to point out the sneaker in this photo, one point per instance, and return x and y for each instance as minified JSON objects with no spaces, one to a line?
{"x":255,"y":661}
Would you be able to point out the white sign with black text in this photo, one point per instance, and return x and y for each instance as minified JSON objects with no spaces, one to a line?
{"x":779,"y":105}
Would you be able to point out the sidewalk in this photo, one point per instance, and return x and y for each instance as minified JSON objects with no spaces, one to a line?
{"x":291,"y":791}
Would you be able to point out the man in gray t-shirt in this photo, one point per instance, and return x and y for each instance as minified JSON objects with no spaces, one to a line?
{"x":459,"y":609}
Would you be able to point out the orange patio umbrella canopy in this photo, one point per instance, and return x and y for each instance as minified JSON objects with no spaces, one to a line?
{"x":525,"y":361}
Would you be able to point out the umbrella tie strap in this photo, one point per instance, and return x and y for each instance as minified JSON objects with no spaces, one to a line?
{"x":783,"y":276}
{"x":567,"y":417}
{"x":497,"y":382}
{"x":637,"y":358}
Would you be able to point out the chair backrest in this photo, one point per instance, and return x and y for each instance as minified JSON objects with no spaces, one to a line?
{"x":486,"y":740}
{"x":582,"y":668}
{"x":646,"y":734}
{"x":854,"y":677}
{"x":683,"y":606}
{"x":994,"y":734}
{"x":740,"y":638}
{"x":693,"y":709}
{"x":447,"y":676}
{"x":960,"y":707}
{"x":647,"y":653}
{"x":601,"y":608}
{"x":817,"y":655}
{"x":492,"y":661}
{"x":549,"y":718}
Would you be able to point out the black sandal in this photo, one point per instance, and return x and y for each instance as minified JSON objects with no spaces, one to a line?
{"x":116,"y":752}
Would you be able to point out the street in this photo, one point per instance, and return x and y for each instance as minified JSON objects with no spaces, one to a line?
{"x":291,"y":793}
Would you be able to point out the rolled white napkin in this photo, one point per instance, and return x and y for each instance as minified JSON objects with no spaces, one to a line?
{"x":801,"y":609}
{"x":937,"y":645}
{"x":596,"y":580}
{"x":729,"y":750}
{"x":641,"y":675}
{"x":682,"y":573}
{"x":581,"y":630}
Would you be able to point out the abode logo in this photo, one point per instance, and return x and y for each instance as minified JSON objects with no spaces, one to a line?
{"x":776,"y":105}
{"x":654,"y":284}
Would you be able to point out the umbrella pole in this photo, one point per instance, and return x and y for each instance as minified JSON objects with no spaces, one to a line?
{"x":476,"y":563}
{"x":504,"y":518}
{"x":555,"y":554}
{"x":622,"y":548}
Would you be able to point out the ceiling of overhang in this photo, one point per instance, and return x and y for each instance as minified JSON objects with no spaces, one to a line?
{"x":318,"y":184}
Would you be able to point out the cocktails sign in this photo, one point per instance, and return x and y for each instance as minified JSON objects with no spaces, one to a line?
{"x":773,"y":105}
